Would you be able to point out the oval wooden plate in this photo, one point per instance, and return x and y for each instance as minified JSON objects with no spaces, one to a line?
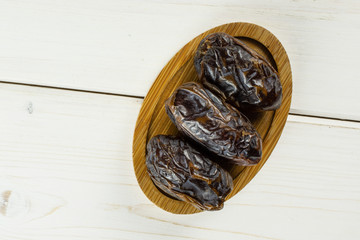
{"x":153,"y":120}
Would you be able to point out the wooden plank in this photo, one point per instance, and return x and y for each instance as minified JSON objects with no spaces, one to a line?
{"x":67,"y":173}
{"x":121,"y":46}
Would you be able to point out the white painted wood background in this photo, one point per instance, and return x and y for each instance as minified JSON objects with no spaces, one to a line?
{"x":65,"y":154}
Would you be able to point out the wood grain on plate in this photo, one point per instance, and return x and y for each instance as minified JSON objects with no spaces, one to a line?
{"x":153,"y":120}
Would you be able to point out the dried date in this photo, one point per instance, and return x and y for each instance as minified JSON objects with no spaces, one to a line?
{"x":237,"y":73}
{"x":214,"y":124}
{"x":183,"y":173}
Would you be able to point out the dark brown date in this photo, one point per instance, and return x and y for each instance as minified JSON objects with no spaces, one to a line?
{"x":183,"y":173}
{"x":214,"y":124}
{"x":237,"y":73}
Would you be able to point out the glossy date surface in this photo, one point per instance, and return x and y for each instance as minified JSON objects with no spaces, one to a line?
{"x":185,"y":174}
{"x":214,"y":124}
{"x":237,"y":73}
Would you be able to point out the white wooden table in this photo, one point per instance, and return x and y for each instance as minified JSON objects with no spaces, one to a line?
{"x":73,"y":75}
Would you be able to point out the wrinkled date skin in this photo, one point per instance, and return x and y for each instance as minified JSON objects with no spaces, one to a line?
{"x":185,"y":174}
{"x":237,"y":73}
{"x":214,"y":124}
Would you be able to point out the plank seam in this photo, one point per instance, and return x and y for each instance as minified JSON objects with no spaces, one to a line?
{"x":141,"y":97}
{"x":71,"y":89}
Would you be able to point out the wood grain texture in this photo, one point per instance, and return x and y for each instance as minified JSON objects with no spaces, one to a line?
{"x":98,"y":45}
{"x":153,"y":120}
{"x":65,"y":156}
{"x":67,"y":173}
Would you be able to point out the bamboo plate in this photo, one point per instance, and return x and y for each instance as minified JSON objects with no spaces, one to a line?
{"x":153,"y":120}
